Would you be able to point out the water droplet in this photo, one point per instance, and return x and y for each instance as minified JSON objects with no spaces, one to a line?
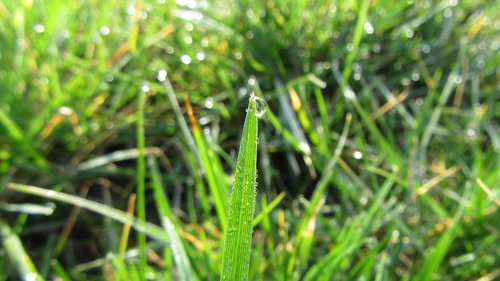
{"x":250,"y":13}
{"x":471,"y":132}
{"x":377,"y":47}
{"x":204,"y":42}
{"x":145,"y":87}
{"x":251,"y":81}
{"x":209,"y":102}
{"x":200,"y":56}
{"x":30,"y":277}
{"x":457,"y":79}
{"x":65,"y":111}
{"x":104,"y":30}
{"x":131,"y":10}
{"x":368,"y":26}
{"x":256,"y":142}
{"x":409,"y":33}
{"x":249,"y":35}
{"x":186,"y":59}
{"x":349,"y":94}
{"x":109,"y":78}
{"x":415,"y":76}
{"x":357,"y":154}
{"x":189,"y":26}
{"x":38,"y":28}
{"x":405,"y":81}
{"x":162,"y":75}
{"x":170,"y":50}
{"x":305,"y":148}
{"x":260,"y":105}
{"x":363,"y":200}
{"x":447,"y":12}
{"x":203,"y":121}
{"x":188,"y":40}
{"x":419,"y":101}
{"x":332,"y":10}
{"x":426,"y":48}
{"x":357,"y":76}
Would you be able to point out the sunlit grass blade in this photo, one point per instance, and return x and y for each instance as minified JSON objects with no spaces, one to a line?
{"x":177,"y":248}
{"x":17,"y":255}
{"x":211,"y":165}
{"x":178,"y":251}
{"x":238,"y":234}
{"x":148,"y":228}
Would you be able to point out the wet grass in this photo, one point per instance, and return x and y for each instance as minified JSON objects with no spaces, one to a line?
{"x":378,"y":156}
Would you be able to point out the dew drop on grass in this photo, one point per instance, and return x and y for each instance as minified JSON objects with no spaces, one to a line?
{"x":162,"y":75}
{"x":357,"y":154}
{"x":260,"y":106}
{"x":38,"y":28}
{"x":30,"y":276}
{"x":186,"y":59}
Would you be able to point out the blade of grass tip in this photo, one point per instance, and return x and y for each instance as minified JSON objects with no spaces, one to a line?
{"x":141,"y":176}
{"x":213,"y":175}
{"x":12,"y":129}
{"x":148,"y":228}
{"x":238,"y":234}
{"x":162,"y":77}
{"x":269,"y":208}
{"x":17,"y":255}
{"x":60,"y":271}
{"x":126,"y":227}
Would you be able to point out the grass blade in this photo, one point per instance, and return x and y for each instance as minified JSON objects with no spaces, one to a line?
{"x":18,"y":256}
{"x":148,"y":228}
{"x":238,"y":235}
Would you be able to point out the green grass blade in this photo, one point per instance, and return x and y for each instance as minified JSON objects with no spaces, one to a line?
{"x":178,"y":251}
{"x":141,"y":179}
{"x":149,"y":229}
{"x":12,"y":129}
{"x":356,"y":40}
{"x":17,"y":255}
{"x":238,"y":234}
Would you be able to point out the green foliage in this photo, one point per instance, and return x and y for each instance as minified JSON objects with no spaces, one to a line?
{"x":238,"y":233}
{"x":378,"y":154}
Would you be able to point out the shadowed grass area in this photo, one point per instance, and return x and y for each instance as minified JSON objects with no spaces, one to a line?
{"x":378,"y":156}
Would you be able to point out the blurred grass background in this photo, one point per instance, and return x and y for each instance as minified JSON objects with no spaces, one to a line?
{"x":378,"y":156}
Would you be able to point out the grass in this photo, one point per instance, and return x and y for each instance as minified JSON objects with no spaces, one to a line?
{"x":378,"y":155}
